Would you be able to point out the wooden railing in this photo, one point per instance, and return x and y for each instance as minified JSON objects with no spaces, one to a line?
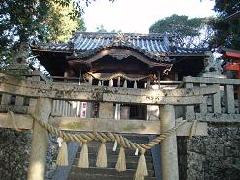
{"x":75,"y":108}
{"x":225,"y":101}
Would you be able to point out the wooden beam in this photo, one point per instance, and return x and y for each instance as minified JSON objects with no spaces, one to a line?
{"x":97,"y":93}
{"x":21,"y":121}
{"x":152,"y":99}
{"x":87,"y":124}
{"x":107,"y":125}
{"x":211,"y":80}
{"x":101,"y":125}
{"x":15,"y":108}
{"x":122,"y":126}
{"x":219,"y":118}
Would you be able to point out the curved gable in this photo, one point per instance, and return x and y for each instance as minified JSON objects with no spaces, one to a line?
{"x":121,"y":53}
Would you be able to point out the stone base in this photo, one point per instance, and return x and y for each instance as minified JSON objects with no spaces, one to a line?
{"x":211,"y":158}
{"x":15,"y":149}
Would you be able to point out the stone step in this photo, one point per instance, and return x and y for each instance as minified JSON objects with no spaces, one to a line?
{"x":113,"y":157}
{"x":112,"y":163}
{"x":78,"y":176}
{"x":107,"y":171}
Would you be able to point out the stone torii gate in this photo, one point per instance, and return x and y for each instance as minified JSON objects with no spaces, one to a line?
{"x":42,"y":94}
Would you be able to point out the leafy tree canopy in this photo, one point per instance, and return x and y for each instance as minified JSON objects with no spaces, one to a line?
{"x":227,"y":31}
{"x":41,"y":20}
{"x":101,"y":29}
{"x":184,"y":31}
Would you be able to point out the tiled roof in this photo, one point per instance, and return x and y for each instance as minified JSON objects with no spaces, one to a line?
{"x":147,"y":43}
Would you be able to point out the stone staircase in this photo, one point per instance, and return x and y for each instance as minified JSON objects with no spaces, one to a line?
{"x":109,"y":173}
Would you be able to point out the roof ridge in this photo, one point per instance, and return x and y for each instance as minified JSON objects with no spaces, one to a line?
{"x":111,"y":34}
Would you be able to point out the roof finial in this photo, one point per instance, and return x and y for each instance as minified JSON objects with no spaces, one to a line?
{"x":121,"y":39}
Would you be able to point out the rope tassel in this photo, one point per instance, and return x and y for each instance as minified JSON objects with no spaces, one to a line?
{"x":102,"y":156}
{"x":83,"y":159}
{"x":141,"y":171}
{"x":62,"y":158}
{"x":121,"y":161}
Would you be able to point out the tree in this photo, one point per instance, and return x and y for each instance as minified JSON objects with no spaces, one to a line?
{"x":61,"y":24}
{"x":227,"y":31}
{"x":184,"y":31}
{"x":101,"y":29}
{"x":41,"y":20}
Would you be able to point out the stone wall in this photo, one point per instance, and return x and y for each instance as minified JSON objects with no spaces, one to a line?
{"x":15,"y":149}
{"x":216,"y":157}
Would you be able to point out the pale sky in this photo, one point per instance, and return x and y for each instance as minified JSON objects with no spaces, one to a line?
{"x":138,"y":15}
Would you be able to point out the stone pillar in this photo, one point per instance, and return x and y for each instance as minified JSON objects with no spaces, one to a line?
{"x":153,"y":110}
{"x":189,"y":114}
{"x":39,"y":141}
{"x":169,"y":155}
{"x":106,"y":110}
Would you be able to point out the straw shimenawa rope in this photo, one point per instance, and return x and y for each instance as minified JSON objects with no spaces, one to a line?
{"x":106,"y":137}
{"x":84,"y":138}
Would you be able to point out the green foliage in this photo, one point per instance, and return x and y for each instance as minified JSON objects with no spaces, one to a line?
{"x":227,"y":31}
{"x":177,"y":24}
{"x":185,"y":31}
{"x":101,"y":29}
{"x":19,"y":21}
{"x":41,"y":20}
{"x":61,"y":24}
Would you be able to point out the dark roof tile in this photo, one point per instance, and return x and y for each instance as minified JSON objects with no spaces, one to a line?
{"x":147,"y":43}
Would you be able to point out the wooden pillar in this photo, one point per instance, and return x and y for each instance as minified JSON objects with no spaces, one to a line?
{"x":61,"y":107}
{"x":58,"y":107}
{"x":106,"y":110}
{"x":19,"y":101}
{"x":169,"y":154}
{"x":203,"y":106}
{"x":66,"y":108}
{"x":89,"y":110}
{"x":69,"y":109}
{"x":189,"y":114}
{"x":33,"y":102}
{"x":117,"y":112}
{"x":39,"y":141}
{"x":229,"y":99}
{"x":238,"y":95}
{"x":217,"y":101}
{"x":6,"y":98}
{"x":54,"y":107}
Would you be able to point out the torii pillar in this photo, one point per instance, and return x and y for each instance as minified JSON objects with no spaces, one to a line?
{"x":169,"y":154}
